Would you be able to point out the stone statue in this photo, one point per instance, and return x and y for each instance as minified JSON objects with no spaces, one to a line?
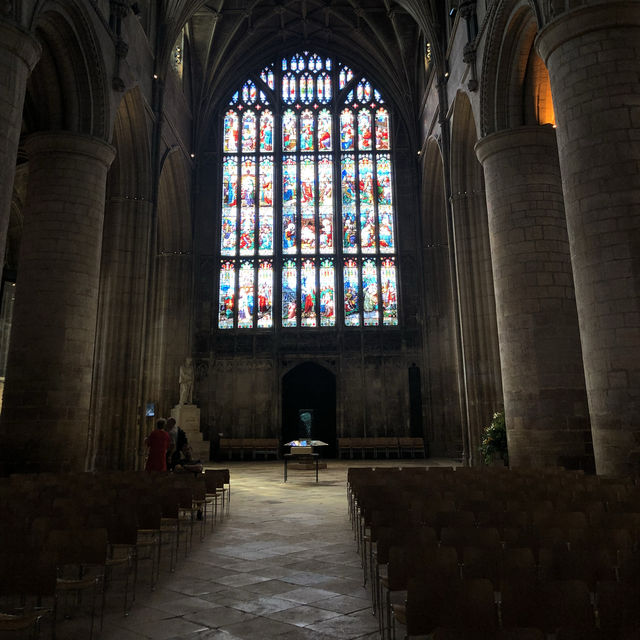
{"x":186,"y":381}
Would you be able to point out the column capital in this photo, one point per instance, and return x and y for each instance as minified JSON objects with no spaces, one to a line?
{"x":69,"y":142}
{"x":20,"y":42}
{"x":584,"y":19}
{"x":543,"y":135}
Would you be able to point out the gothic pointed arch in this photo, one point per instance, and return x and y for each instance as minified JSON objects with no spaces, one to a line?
{"x":170,"y":335}
{"x":515,"y":89}
{"x":69,"y":88}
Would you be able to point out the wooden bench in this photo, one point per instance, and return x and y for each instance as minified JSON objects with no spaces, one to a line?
{"x":411,"y":446}
{"x":266,"y":447}
{"x":251,"y":446}
{"x":387,"y":446}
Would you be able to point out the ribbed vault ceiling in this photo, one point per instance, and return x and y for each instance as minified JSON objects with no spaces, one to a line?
{"x":228,"y":39}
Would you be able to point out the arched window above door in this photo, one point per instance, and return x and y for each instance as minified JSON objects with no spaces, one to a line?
{"x":307,"y":223}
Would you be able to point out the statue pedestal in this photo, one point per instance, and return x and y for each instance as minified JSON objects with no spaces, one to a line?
{"x":188,"y":418}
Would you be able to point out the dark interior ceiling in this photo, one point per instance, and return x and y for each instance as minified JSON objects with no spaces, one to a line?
{"x":228,"y":39}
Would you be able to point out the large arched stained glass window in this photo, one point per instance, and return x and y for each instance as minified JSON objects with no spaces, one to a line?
{"x":307,"y":231}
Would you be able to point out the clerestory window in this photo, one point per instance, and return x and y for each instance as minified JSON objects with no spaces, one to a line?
{"x":307,"y":225}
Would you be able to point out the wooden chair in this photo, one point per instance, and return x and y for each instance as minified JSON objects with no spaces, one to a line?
{"x":80,"y":556}
{"x":27,"y":590}
{"x":467,"y":605}
{"x":617,"y":609}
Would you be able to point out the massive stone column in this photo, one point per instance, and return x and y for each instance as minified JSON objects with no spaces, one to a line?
{"x":119,"y":347}
{"x":19,"y":52}
{"x":593,"y":57}
{"x":478,"y":335}
{"x":540,"y":356}
{"x":45,"y":415}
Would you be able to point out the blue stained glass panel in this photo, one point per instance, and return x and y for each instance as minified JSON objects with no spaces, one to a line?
{"x":289,"y":88}
{"x":325,"y":197}
{"x":266,"y":231}
{"x":247,"y":207}
{"x":265,"y":294}
{"x":266,"y":132}
{"x":247,"y":231}
{"x":348,"y":181}
{"x":382,"y":130}
{"x":249,"y":131}
{"x":248,"y":183}
{"x":367,"y":229}
{"x":226,"y":295}
{"x":289,"y":232}
{"x":228,"y":236}
{"x":351,"y":294}
{"x":308,"y":294}
{"x":325,"y":181}
{"x":383,"y":179}
{"x":370,"y":293}
{"x":249,"y":92}
{"x":231,"y":132}
{"x":344,"y":77}
{"x":230,"y":183}
{"x":346,"y":130}
{"x":306,"y":88}
{"x":266,"y":207}
{"x":364,"y":130}
{"x":327,"y":294}
{"x":289,"y":131}
{"x":289,"y":202}
{"x":267,"y":77}
{"x":307,"y":206}
{"x":349,"y":231}
{"x":328,"y":91}
{"x":324,"y":130}
{"x":245,"y":295}
{"x":306,"y":131}
{"x":389,"y":291}
{"x":266,"y":182}
{"x":289,"y":184}
{"x":289,"y":293}
{"x":385,"y":228}
{"x":307,"y":182}
{"x":365,"y":180}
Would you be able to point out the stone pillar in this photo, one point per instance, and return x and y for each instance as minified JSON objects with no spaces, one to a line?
{"x":121,"y":332}
{"x":188,"y":419}
{"x":593,"y":57}
{"x":479,"y":335}
{"x":19,"y":52}
{"x":540,"y":356}
{"x":45,"y":415}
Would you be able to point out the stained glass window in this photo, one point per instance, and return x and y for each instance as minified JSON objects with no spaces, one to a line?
{"x":307,"y":216}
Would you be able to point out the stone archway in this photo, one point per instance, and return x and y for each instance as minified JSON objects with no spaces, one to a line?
{"x":312,"y":387}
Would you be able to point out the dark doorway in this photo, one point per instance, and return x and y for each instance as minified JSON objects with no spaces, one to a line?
{"x":310,"y":388}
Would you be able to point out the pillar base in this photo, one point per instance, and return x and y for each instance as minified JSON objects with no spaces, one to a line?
{"x":187,"y":417}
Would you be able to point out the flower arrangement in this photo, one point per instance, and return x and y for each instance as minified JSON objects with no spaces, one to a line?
{"x":494,"y":440}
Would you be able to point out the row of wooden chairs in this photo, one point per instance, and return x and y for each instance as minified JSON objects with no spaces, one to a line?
{"x":66,"y":534}
{"x":559,"y":608}
{"x":574,"y":527}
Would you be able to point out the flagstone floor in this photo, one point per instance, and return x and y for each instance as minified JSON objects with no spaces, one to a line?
{"x":281,"y":564}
